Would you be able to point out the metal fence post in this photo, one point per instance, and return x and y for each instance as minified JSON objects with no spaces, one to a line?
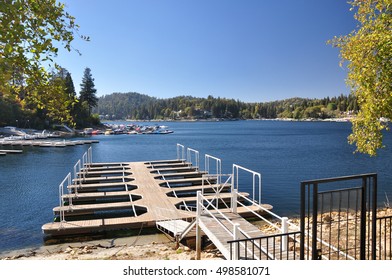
{"x":315,"y":251}
{"x":285,"y":229}
{"x":234,"y":199}
{"x":302,"y":221}
{"x":236,"y":234}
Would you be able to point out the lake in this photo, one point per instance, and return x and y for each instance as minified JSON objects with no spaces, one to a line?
{"x":285,"y":153}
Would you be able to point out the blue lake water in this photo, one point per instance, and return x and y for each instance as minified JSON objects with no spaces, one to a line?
{"x":285,"y":153}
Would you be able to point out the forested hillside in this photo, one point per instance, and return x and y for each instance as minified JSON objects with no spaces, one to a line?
{"x":133,"y":105}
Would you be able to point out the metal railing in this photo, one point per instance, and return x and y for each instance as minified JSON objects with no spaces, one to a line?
{"x":189,"y":158}
{"x":80,"y":170}
{"x":384,"y":238}
{"x":180,"y":152}
{"x":256,"y":181}
{"x":218,"y":165}
{"x":64,"y":184}
{"x":351,"y":211}
{"x":259,"y":208}
{"x":216,"y":185}
{"x":203,"y":208}
{"x":283,"y":246}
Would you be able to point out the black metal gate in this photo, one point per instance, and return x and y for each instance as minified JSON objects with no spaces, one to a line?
{"x":338,"y":218}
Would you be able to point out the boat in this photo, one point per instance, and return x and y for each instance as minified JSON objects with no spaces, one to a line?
{"x":88,"y":131}
{"x":109,"y":132}
{"x":162,"y":131}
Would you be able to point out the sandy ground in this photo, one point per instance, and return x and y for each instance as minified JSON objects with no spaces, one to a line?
{"x":146,"y":247}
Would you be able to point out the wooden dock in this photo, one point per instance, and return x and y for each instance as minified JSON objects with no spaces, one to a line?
{"x":173,"y":196}
{"x":130,"y":195}
{"x":5,"y":152}
{"x":46,"y":143}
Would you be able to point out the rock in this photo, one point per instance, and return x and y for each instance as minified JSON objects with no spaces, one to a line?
{"x":68,"y":250}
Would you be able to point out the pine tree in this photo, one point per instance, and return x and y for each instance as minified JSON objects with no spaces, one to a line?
{"x":87,"y":91}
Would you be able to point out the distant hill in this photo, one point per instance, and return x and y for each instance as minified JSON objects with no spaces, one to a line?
{"x":133,"y":105}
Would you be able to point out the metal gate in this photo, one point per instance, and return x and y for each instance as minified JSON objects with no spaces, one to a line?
{"x":338,"y":218}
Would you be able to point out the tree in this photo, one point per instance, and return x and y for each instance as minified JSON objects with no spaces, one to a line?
{"x":87,"y":91}
{"x":30,"y":31}
{"x":367,"y":51}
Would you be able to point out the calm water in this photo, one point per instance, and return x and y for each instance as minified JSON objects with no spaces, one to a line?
{"x":285,"y":153}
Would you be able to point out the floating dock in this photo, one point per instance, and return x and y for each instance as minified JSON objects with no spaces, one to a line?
{"x":46,"y":143}
{"x":176,"y":197}
{"x":129,"y":195}
{"x":5,"y":152}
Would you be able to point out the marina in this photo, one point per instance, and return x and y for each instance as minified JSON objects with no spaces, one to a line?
{"x":172,"y":195}
{"x":281,"y":150}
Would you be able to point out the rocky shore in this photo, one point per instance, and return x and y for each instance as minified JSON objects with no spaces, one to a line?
{"x":149,"y":247}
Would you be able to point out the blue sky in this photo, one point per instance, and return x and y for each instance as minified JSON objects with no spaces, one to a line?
{"x":251,"y":50}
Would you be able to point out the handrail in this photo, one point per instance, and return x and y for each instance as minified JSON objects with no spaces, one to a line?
{"x":173,"y":189}
{"x":67,"y":180}
{"x":261,"y":208}
{"x":200,"y":199}
{"x":180,"y":149}
{"x":205,"y":208}
{"x":218,"y":163}
{"x":77,"y":174}
{"x":189,"y":152}
{"x":255,"y":175}
{"x":219,"y":185}
{"x":288,"y":223}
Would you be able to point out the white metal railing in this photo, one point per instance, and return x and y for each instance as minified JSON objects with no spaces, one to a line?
{"x":256,"y":181}
{"x":87,"y":158}
{"x":77,"y":174}
{"x":284,"y":221}
{"x":189,"y":153}
{"x":215,"y":182}
{"x":184,"y":205}
{"x":234,"y":233}
{"x":218,"y":164}
{"x":80,"y":169}
{"x":180,"y":152}
{"x":66,"y":182}
{"x":286,"y":225}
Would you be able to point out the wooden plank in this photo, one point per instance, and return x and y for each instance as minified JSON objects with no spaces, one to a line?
{"x":180,"y":174}
{"x":88,"y":185}
{"x":164,"y":161}
{"x":75,"y":209}
{"x":97,"y":195}
{"x":175,"y":227}
{"x":168,"y":165}
{"x":195,"y":188}
{"x":186,"y":180}
{"x":104,"y":178}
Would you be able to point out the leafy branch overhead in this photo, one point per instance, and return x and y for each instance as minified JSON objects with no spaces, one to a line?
{"x":31,"y":32}
{"x":367,"y":53}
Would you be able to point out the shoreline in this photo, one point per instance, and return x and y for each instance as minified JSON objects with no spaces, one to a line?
{"x":143,"y":247}
{"x":342,"y":119}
